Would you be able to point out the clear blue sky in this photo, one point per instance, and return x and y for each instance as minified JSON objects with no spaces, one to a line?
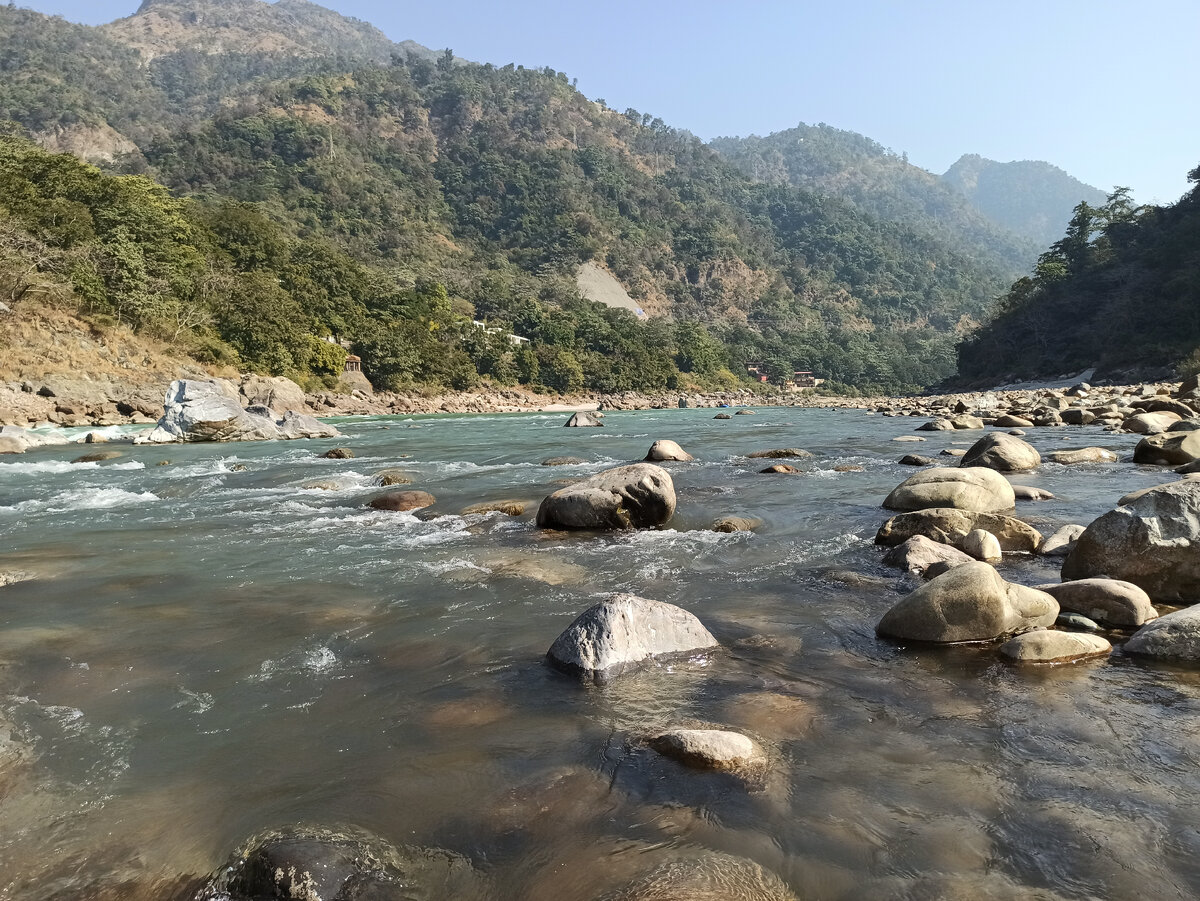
{"x":1107,"y":90}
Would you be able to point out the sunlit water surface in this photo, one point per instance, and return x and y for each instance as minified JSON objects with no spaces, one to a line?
{"x":212,"y":649}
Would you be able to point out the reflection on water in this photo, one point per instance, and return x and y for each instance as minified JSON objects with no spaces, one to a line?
{"x":215,"y":647}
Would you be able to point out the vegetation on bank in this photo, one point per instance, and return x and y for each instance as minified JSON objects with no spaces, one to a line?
{"x":1121,"y":290}
{"x":346,"y":198}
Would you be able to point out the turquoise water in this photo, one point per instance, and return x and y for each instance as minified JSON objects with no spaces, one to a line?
{"x":212,"y":648}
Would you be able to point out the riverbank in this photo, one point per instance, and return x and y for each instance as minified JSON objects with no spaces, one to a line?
{"x":106,"y":401}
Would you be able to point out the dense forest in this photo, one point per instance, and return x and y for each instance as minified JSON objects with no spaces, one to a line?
{"x":1121,"y":290}
{"x":393,"y":204}
{"x":883,"y":184}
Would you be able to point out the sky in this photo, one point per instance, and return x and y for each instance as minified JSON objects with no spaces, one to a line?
{"x":1105,"y":90}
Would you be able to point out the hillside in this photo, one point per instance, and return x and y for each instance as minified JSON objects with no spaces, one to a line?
{"x":880,"y":183}
{"x":392,"y":203}
{"x":1033,"y":199}
{"x":1121,"y":291}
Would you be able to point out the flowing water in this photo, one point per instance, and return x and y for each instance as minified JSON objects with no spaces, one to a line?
{"x":212,"y":649}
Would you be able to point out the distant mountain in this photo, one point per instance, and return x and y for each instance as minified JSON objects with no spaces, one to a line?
{"x":1033,"y":199}
{"x":880,"y":183}
{"x":291,"y":27}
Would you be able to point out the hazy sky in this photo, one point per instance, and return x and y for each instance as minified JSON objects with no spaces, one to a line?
{"x":1106,"y":90}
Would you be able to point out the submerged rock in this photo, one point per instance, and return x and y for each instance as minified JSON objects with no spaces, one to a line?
{"x":780,"y":453}
{"x":338,"y":453}
{"x":310,"y":863}
{"x":736,"y":524}
{"x":508,"y":508}
{"x":402,"y":501}
{"x":1083,"y":455}
{"x":98,"y":457}
{"x":640,"y":495}
{"x":1046,"y":646}
{"x":1153,"y":542}
{"x":1028,"y":493}
{"x":710,"y":749}
{"x":624,"y":633}
{"x":667,"y":450}
{"x":780,"y":469}
{"x":712,"y":877}
{"x":563,"y":461}
{"x":969,"y":603}
{"x":978,"y":489}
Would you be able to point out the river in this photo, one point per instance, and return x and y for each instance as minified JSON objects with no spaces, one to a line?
{"x":211,"y":648}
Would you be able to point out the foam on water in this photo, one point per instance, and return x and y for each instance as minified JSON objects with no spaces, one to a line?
{"x":82,"y":499}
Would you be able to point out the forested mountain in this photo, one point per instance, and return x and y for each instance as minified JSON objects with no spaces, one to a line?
{"x":390,"y":203}
{"x":1120,"y":291}
{"x":882,"y":184}
{"x":1033,"y":199}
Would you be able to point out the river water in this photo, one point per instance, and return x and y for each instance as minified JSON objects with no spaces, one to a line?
{"x":212,"y":649}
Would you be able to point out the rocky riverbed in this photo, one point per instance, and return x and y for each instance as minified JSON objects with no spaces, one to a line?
{"x":755,"y":658}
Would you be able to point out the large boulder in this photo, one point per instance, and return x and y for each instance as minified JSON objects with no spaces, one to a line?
{"x":1175,"y":636}
{"x":1168,"y":449}
{"x":979,"y":489}
{"x":583,"y":420}
{"x":278,"y":394}
{"x":919,"y":553}
{"x":625,"y":633}
{"x":640,"y":495}
{"x":1046,"y":646}
{"x":1003,"y":453}
{"x":665,"y":449}
{"x":196,"y":410}
{"x":969,"y":603}
{"x":947,"y":526}
{"x":1108,"y":601}
{"x":1153,"y":542}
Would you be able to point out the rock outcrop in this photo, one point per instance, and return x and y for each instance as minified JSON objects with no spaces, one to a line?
{"x":197,"y":410}
{"x":1153,"y":542}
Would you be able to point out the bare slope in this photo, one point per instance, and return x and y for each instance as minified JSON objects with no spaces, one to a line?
{"x":599,"y":285}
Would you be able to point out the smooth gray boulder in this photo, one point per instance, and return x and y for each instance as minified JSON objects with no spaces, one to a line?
{"x":196,"y":410}
{"x":1051,"y":646}
{"x":1003,"y":453}
{"x":947,"y":525}
{"x":1153,"y":542}
{"x":919,"y":553}
{"x":583,"y":420}
{"x":1175,"y":636}
{"x":1061,"y":542}
{"x":969,"y":603}
{"x":978,"y":489}
{"x":640,"y":495}
{"x":666,"y":450}
{"x":625,"y":633}
{"x":1108,"y":601}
